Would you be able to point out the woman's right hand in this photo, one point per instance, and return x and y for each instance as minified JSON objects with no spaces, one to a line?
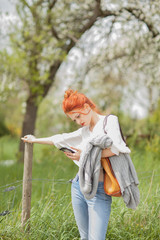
{"x":28,"y":138}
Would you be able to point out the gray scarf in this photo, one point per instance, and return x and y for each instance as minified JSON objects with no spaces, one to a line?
{"x":89,"y":170}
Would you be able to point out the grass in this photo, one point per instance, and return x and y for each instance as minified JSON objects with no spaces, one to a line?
{"x":51,"y":213}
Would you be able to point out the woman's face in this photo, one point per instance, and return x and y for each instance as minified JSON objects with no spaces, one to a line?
{"x":82,"y":116}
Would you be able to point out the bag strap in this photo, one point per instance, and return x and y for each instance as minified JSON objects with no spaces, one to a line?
{"x":105,"y":124}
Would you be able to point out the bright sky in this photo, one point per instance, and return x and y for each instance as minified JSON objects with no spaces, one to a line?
{"x":6,"y":5}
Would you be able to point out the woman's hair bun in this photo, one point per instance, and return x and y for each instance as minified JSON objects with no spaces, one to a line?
{"x":68,"y":93}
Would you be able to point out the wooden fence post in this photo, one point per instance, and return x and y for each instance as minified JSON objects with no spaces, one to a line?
{"x":27,"y":184}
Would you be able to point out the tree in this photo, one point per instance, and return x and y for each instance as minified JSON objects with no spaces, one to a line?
{"x":48,"y":30}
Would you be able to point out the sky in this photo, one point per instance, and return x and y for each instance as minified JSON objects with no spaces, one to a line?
{"x":7,"y":14}
{"x":6,"y":5}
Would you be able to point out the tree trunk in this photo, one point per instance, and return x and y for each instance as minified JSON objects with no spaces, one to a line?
{"x":28,"y":126}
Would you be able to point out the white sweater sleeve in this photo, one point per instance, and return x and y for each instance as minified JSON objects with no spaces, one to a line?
{"x":113,"y":131}
{"x":72,"y":139}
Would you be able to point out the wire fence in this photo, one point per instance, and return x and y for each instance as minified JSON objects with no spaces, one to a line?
{"x":12,"y":187}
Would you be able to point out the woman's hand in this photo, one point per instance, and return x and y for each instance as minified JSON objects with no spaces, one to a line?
{"x":74,"y":156}
{"x":28,"y":138}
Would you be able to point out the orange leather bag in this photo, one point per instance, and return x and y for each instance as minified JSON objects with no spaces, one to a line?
{"x":111,"y":185}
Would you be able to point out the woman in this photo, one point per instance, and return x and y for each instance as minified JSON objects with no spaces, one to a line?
{"x":92,"y":215}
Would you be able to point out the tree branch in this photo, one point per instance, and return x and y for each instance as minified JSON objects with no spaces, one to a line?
{"x":26,"y":4}
{"x":139,"y":14}
{"x":52,"y":4}
{"x":52,"y":72}
{"x":39,"y":2}
{"x":73,"y":38}
{"x":54,"y":33}
{"x":96,"y":13}
{"x":112,"y":25}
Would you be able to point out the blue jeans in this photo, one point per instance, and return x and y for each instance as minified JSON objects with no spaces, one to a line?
{"x":92,"y":215}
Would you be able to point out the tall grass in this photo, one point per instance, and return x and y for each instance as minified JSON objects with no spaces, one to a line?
{"x":51,"y":213}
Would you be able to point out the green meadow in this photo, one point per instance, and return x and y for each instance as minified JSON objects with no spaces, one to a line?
{"x":51,"y":208}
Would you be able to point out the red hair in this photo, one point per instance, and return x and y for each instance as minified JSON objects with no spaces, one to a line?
{"x":73,"y":100}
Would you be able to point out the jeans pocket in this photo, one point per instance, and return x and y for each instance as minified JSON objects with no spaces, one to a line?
{"x":101,"y":193}
{"x":75,"y":179}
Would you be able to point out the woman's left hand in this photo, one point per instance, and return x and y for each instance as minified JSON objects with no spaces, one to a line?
{"x":74,"y":156}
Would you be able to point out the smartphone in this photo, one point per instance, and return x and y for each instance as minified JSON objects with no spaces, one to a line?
{"x":65,"y":149}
